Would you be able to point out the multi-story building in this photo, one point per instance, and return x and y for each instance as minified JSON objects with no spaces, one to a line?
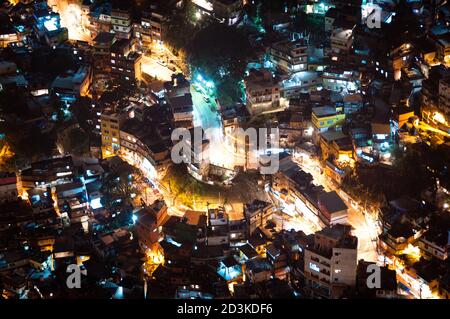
{"x":257,"y":214}
{"x":47,"y":173}
{"x":198,"y":161}
{"x":148,"y":225}
{"x":218,"y":228}
{"x":262,"y":91}
{"x":338,"y":80}
{"x":73,"y":84}
{"x":324,"y":117}
{"x":290,"y":56}
{"x":128,"y":139}
{"x":125,"y":62}
{"x":341,"y":40}
{"x":121,"y":23}
{"x":158,"y":26}
{"x":331,"y":263}
{"x":179,"y":99}
{"x":332,"y":208}
{"x":300,"y":82}
{"x":228,"y":11}
{"x":444,"y":97}
{"x":102,"y":49}
{"x":435,"y":243}
{"x":110,"y":133}
{"x":443,"y":47}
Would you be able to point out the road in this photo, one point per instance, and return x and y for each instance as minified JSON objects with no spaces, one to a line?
{"x":206,"y":115}
{"x":363,"y":226}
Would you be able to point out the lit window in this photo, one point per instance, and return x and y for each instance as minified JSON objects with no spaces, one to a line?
{"x":314,"y":267}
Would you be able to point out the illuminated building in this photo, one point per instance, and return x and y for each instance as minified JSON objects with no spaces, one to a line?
{"x":331,"y":263}
{"x":434,"y":243}
{"x":325,"y":117}
{"x":336,"y":145}
{"x":340,"y":80}
{"x":198,"y":162}
{"x":444,"y":102}
{"x":8,"y":34}
{"x":128,"y":139}
{"x":341,"y":40}
{"x":110,"y":135}
{"x":333,"y":210}
{"x":262,"y":91}
{"x":229,"y":11}
{"x":73,"y":84}
{"x":121,"y":23}
{"x":290,"y":56}
{"x":125,"y":62}
{"x":103,"y":43}
{"x":400,"y":116}
{"x":152,"y":28}
{"x":218,"y":232}
{"x":299,"y":83}
{"x":148,"y":225}
{"x":318,"y":7}
{"x":229,"y":268}
{"x":47,"y":173}
{"x":443,"y":47}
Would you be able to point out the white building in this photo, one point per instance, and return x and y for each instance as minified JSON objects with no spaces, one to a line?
{"x":331,"y":264}
{"x":341,"y":40}
{"x":290,"y":56}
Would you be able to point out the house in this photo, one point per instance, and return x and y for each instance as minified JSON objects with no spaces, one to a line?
{"x":257,"y":214}
{"x":330,"y":264}
{"x":262,"y":91}
{"x":333,"y":210}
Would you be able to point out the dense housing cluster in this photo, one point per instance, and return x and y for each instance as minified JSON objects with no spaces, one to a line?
{"x":356,"y":94}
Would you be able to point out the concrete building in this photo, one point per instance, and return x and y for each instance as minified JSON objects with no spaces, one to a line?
{"x":290,"y":56}
{"x":121,"y":23}
{"x":324,"y":117}
{"x":257,"y":214}
{"x":444,"y":97}
{"x":73,"y":84}
{"x":341,"y":40}
{"x":331,"y":263}
{"x":339,"y":80}
{"x":332,"y":208}
{"x":262,"y":91}
{"x":148,"y":225}
{"x":110,"y":133}
{"x":125,"y":61}
{"x":228,"y":11}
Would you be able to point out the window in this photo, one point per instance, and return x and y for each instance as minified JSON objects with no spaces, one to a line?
{"x":314,"y":267}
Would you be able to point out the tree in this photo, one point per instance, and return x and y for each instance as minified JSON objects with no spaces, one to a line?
{"x":182,"y":27}
{"x":120,"y":184}
{"x":221,"y":53}
{"x":76,"y":142}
